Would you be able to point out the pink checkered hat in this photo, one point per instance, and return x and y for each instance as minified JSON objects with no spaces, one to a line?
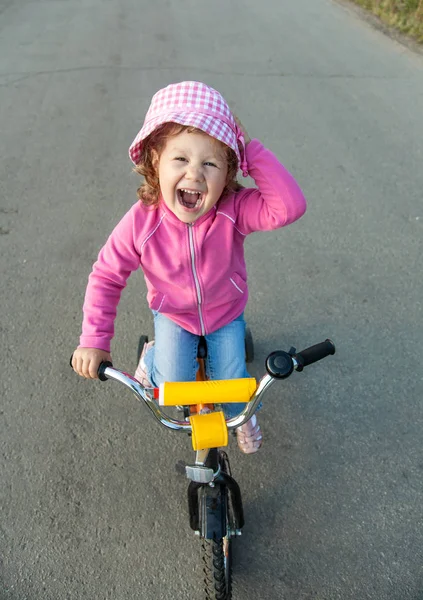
{"x":197,"y":105}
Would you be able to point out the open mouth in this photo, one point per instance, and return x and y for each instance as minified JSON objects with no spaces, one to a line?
{"x":189,"y":199}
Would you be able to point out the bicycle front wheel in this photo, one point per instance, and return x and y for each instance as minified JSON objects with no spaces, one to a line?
{"x":216,"y":550}
{"x":216,"y":558}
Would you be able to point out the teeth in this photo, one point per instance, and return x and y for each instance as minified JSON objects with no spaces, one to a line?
{"x":189,"y":191}
{"x":195,"y":203}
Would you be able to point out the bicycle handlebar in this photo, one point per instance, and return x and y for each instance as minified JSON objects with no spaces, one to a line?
{"x":279,"y":365}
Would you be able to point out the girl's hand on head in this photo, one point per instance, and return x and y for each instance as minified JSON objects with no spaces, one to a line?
{"x":85,"y":361}
{"x":247,"y":138}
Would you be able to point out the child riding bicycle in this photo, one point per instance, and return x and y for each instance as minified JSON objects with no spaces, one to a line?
{"x":187,"y":233}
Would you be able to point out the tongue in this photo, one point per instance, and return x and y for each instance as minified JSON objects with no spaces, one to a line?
{"x":189,"y":200}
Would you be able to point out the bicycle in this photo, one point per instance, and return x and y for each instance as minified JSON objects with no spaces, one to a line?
{"x":214,"y":497}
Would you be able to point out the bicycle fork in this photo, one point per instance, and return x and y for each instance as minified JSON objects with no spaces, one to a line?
{"x":211,"y":492}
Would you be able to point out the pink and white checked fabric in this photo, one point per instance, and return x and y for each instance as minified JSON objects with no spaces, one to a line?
{"x":193,"y":104}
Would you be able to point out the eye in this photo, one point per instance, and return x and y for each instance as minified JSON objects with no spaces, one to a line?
{"x":210,"y":164}
{"x":181,"y":158}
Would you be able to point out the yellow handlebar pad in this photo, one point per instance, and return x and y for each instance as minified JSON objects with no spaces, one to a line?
{"x":206,"y":392}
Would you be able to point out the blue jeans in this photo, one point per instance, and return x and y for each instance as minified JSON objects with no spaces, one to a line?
{"x":174,"y":355}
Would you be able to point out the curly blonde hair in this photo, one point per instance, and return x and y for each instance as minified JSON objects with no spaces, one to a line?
{"x":149,"y":190}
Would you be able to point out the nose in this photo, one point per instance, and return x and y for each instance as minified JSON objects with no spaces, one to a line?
{"x":195,"y":172}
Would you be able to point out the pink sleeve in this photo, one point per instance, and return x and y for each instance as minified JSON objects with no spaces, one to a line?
{"x":117,"y":259}
{"x":278,"y":201}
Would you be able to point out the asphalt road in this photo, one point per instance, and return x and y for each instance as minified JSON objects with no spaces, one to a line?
{"x":91,"y":507}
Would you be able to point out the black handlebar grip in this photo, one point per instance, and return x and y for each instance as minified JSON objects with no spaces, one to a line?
{"x":314,"y":353}
{"x":103,"y":366}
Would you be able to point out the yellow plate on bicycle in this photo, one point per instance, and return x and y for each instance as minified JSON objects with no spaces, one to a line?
{"x":206,"y":392}
{"x":209,"y":430}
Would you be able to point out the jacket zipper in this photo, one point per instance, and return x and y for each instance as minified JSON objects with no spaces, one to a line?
{"x":194,"y":272}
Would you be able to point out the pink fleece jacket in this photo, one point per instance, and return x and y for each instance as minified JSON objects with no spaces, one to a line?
{"x":195,"y":274}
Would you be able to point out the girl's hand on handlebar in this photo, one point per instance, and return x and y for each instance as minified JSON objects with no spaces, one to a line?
{"x":85,"y":361}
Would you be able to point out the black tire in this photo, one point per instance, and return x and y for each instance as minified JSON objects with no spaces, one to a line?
{"x":249,"y":346}
{"x":143,"y":340}
{"x":216,"y":555}
{"x":217,"y":568}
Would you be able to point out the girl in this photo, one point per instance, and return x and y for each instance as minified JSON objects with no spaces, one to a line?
{"x":187,"y":234}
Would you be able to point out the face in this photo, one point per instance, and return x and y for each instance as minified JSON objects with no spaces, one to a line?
{"x":192,"y":170}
